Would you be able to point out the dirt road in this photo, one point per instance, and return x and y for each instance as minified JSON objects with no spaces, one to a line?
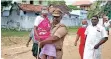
{"x":20,"y":51}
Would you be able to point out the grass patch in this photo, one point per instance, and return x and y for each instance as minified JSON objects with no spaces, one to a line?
{"x":14,"y":33}
{"x":72,"y":29}
{"x":26,"y":33}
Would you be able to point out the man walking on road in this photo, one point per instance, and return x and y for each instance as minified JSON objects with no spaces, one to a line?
{"x":96,"y":36}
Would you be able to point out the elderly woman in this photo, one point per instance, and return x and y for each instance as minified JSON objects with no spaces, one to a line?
{"x":41,"y":27}
{"x":81,"y":35}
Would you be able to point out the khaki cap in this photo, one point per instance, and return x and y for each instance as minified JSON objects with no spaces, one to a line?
{"x":57,"y":12}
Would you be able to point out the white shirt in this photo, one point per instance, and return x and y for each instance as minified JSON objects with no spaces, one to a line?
{"x":106,"y":24}
{"x":95,"y":34}
{"x":38,"y":20}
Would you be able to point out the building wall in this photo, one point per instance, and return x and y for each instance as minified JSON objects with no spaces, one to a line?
{"x":26,"y":21}
{"x":74,"y":20}
{"x":19,"y":1}
{"x":45,"y":3}
{"x":71,"y":21}
{"x":82,"y":13}
{"x":85,"y":7}
{"x":36,"y":2}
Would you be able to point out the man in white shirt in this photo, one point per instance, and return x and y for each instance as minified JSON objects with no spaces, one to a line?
{"x":106,"y":23}
{"x":96,"y":36}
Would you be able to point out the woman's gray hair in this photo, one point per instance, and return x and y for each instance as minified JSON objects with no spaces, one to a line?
{"x":44,"y":9}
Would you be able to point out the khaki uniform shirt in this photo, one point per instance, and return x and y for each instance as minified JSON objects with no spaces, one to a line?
{"x":60,"y":31}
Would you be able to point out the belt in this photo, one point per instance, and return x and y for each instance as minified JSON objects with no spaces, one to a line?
{"x":59,"y":49}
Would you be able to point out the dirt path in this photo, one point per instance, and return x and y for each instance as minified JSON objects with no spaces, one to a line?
{"x":70,"y":51}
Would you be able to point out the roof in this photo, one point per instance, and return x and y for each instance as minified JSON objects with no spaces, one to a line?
{"x":74,"y":15}
{"x":30,"y":7}
{"x":79,"y":3}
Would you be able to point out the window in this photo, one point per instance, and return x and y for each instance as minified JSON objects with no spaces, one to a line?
{"x":24,"y":12}
{"x":40,"y":2}
{"x":6,"y":13}
{"x":37,"y":14}
{"x":31,"y":2}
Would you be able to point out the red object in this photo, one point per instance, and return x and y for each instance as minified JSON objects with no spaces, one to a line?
{"x":79,"y":3}
{"x":81,"y":32}
{"x":43,"y":30}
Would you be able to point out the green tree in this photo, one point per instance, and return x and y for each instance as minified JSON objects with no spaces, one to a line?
{"x":57,"y":2}
{"x":71,"y":7}
{"x":95,"y":9}
{"x":107,"y":9}
{"x":60,"y":4}
{"x":5,"y":4}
